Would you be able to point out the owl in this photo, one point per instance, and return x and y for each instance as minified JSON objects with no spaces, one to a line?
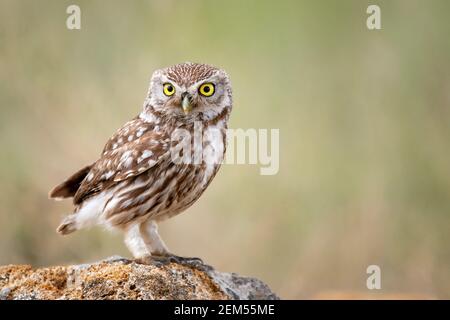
{"x":146,"y":173}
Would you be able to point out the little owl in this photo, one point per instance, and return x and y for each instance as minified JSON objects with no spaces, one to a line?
{"x":139,"y":179}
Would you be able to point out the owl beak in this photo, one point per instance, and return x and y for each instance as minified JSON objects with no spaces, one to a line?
{"x":186,"y":102}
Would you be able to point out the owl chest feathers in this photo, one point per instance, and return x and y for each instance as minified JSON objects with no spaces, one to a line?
{"x":208,"y":146}
{"x":212,"y":150}
{"x":171,"y":187}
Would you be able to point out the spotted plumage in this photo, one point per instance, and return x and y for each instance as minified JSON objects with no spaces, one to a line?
{"x":139,"y":178}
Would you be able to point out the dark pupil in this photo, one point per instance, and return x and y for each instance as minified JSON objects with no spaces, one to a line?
{"x":169,"y":88}
{"x":206,"y":89}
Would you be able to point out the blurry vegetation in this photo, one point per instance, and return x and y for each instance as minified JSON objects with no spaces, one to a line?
{"x":363,"y":118}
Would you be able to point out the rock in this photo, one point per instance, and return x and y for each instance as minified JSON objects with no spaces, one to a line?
{"x":119,"y":278}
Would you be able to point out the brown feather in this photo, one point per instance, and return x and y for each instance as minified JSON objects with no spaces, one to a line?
{"x":125,"y":159}
{"x":70,"y":186}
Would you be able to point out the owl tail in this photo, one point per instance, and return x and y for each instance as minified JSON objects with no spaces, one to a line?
{"x":68,"y":225}
{"x":69,"y":187}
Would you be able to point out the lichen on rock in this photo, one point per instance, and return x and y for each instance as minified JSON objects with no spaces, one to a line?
{"x":119,"y":278}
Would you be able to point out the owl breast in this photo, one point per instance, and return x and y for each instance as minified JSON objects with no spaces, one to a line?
{"x":197,"y":176}
{"x":171,"y":187}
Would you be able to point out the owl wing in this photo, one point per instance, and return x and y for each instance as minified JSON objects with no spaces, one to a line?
{"x":130,"y":131}
{"x":123,"y":162}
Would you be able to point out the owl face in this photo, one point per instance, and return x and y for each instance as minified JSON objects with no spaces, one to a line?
{"x":190,"y":91}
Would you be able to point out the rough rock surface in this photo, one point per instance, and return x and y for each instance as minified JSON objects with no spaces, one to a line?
{"x":119,"y":278}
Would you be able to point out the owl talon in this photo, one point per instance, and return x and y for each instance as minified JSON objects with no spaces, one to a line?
{"x":148,"y":260}
{"x":185,"y":260}
{"x":159,"y":260}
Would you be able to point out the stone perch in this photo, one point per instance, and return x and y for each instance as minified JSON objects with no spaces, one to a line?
{"x":120,"y":278}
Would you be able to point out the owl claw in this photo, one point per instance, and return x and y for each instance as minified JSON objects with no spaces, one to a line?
{"x":154,"y":260}
{"x":186,"y":260}
{"x":159,"y":260}
{"x":148,"y":260}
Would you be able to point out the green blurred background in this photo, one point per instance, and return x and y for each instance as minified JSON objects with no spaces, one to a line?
{"x":364,"y":129}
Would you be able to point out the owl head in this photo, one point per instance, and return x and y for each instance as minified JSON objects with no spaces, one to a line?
{"x":189,"y":92}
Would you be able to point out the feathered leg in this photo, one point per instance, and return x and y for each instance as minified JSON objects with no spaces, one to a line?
{"x":135,"y":243}
{"x":152,"y":239}
{"x":159,"y":253}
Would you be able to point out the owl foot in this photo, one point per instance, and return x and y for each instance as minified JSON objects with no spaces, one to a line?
{"x":154,"y":260}
{"x":185,"y":260}
{"x":159,"y":260}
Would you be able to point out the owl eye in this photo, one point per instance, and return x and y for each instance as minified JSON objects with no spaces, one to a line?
{"x":206,"y":89}
{"x":168,"y":89}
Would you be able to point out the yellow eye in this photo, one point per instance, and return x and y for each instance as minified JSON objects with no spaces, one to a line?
{"x":168,"y":89}
{"x":206,"y":89}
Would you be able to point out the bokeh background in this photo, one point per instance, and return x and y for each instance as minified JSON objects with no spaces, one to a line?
{"x":364,"y":130}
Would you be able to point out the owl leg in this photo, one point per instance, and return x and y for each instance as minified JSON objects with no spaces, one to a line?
{"x":135,"y":243}
{"x":159,"y":252}
{"x":156,"y":251}
{"x":152,"y":239}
